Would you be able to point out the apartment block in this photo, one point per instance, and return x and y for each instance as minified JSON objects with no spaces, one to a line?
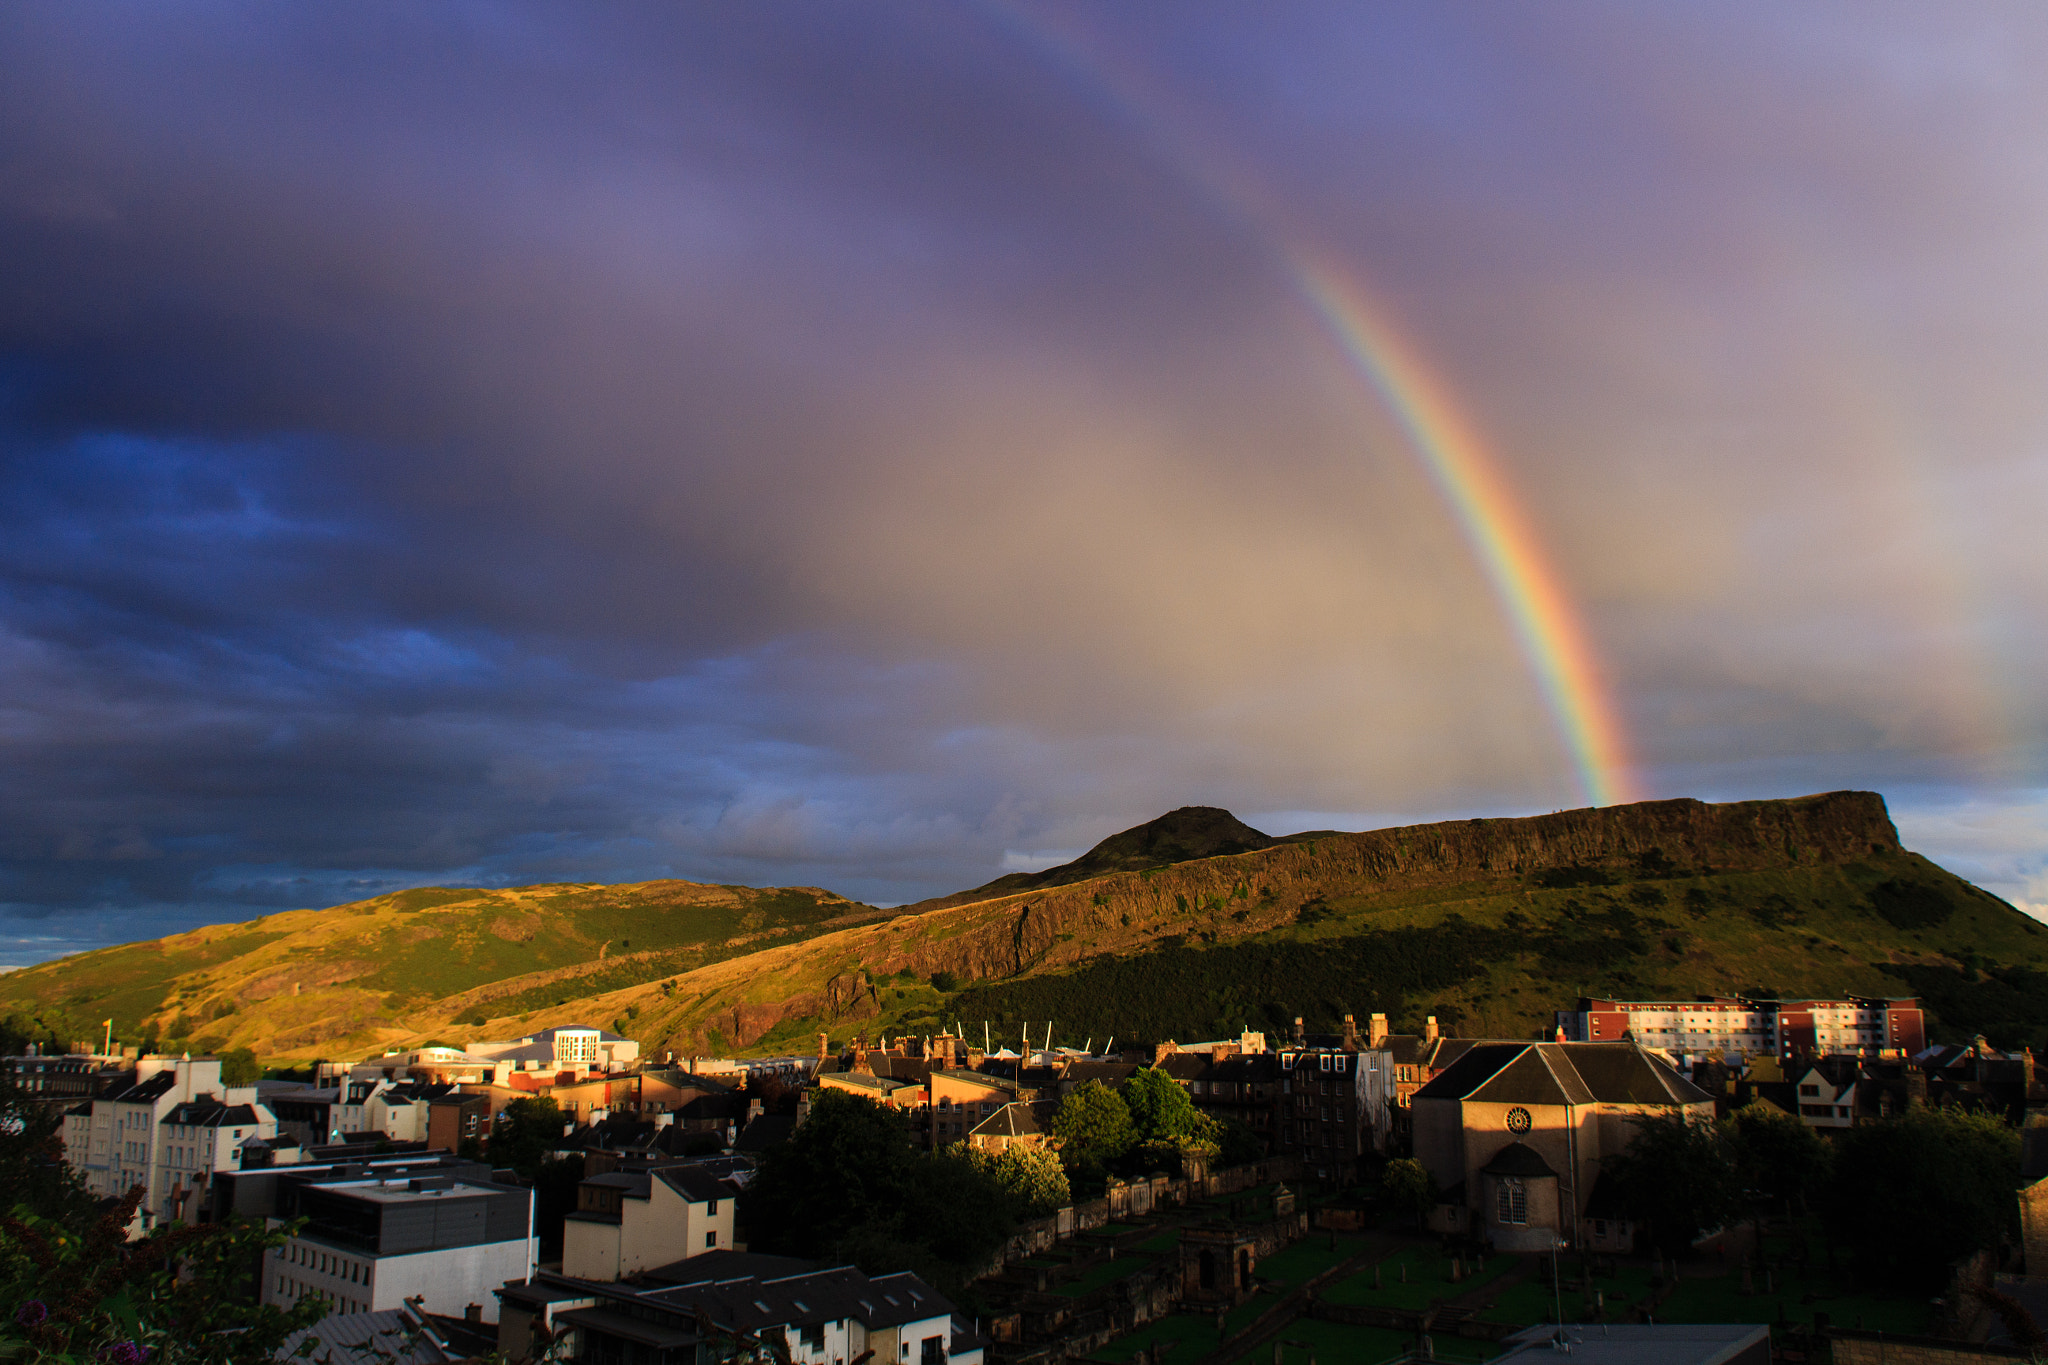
{"x":1784,"y":1029}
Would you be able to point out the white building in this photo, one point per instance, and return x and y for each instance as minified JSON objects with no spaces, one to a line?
{"x":372,"y":1241}
{"x":570,"y":1047}
{"x":169,"y":1130}
{"x":628,"y":1221}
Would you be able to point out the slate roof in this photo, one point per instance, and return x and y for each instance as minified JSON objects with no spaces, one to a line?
{"x":145,"y":1092}
{"x":1561,"y":1073}
{"x":1111,"y":1074}
{"x":765,"y":1133}
{"x":392,"y":1337}
{"x":1012,"y":1120}
{"x":211,"y":1113}
{"x":697,"y":1186}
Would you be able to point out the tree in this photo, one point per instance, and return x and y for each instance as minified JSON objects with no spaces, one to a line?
{"x":34,"y":1176}
{"x":1237,"y":1144}
{"x":1162,"y":1112}
{"x":526,"y":1134}
{"x":848,"y":1184}
{"x":1912,"y":1195}
{"x":1093,"y":1126}
{"x":239,"y":1067}
{"x":1678,"y":1175}
{"x":1776,"y":1155}
{"x":1410,"y":1186}
{"x":1032,"y":1180}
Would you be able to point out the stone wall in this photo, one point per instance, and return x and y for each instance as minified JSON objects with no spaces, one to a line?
{"x":1880,"y":1348}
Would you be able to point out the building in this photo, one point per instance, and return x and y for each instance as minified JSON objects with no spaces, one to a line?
{"x":1635,"y":1343}
{"x":61,"y":1078}
{"x":711,"y":1307}
{"x":570,"y":1047}
{"x":457,"y":1118}
{"x":374,"y":1239}
{"x":626,"y":1221}
{"x":1867,"y":1026}
{"x":170,"y":1129}
{"x":1014,"y":1125}
{"x":1513,"y":1133}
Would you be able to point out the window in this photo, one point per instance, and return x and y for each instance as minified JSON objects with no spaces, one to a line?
{"x":1809,"y":1090}
{"x":713,"y":1208}
{"x":711,"y":1238}
{"x":1511,"y":1200}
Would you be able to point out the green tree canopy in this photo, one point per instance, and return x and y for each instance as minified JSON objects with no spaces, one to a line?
{"x":1775,"y":1154}
{"x":527,"y":1133}
{"x":1162,"y":1112}
{"x":1678,"y":1175}
{"x":848,"y":1183}
{"x":1031,"y":1178}
{"x":34,"y":1176}
{"x":1094,"y":1125}
{"x":238,"y":1066}
{"x":1410,"y":1186}
{"x":1913,"y":1194}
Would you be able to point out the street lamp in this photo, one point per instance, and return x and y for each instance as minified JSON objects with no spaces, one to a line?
{"x":1557,"y":1244}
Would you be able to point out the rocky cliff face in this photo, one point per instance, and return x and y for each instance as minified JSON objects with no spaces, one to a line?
{"x":1250,"y":892}
{"x":1133,"y":905}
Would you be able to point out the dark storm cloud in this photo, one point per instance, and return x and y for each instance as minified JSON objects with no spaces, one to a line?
{"x":794,"y":443}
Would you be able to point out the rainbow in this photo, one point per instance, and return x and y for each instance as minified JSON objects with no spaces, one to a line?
{"x":1546,"y":623}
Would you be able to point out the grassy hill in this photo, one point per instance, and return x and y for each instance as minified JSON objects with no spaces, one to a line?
{"x":374,"y":973}
{"x":1190,"y":926}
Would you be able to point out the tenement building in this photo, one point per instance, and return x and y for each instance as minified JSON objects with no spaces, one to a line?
{"x":1861,"y":1026}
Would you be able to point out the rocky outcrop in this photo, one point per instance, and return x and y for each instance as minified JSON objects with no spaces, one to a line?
{"x":1176,"y":837}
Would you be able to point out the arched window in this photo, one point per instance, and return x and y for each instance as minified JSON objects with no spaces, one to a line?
{"x":1511,"y":1200}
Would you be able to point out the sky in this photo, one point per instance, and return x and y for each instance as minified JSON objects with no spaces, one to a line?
{"x":881,"y":446}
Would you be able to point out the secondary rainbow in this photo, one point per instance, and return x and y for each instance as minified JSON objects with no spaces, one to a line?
{"x":1546,"y":623}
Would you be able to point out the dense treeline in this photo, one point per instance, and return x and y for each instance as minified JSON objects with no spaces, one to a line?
{"x":1187,"y":992}
{"x":2008,"y":1005}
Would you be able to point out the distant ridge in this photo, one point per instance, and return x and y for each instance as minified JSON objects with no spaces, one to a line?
{"x":1190,"y":925}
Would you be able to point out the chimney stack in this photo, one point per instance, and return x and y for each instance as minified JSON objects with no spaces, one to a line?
{"x":823,"y":1044}
{"x":1299,"y":1035}
{"x":1429,"y":1034}
{"x":1376,"y":1031}
{"x":1350,"y":1034}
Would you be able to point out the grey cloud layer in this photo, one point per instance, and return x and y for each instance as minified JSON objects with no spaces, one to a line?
{"x":793,"y":445}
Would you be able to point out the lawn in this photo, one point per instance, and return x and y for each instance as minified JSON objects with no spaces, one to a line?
{"x":1160,"y":1244}
{"x":1709,"y":1293}
{"x":1307,"y":1259}
{"x":1193,"y":1338}
{"x":1429,"y":1280}
{"x":1305,"y":1339}
{"x":1797,"y":1298}
{"x":1096,"y":1276}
